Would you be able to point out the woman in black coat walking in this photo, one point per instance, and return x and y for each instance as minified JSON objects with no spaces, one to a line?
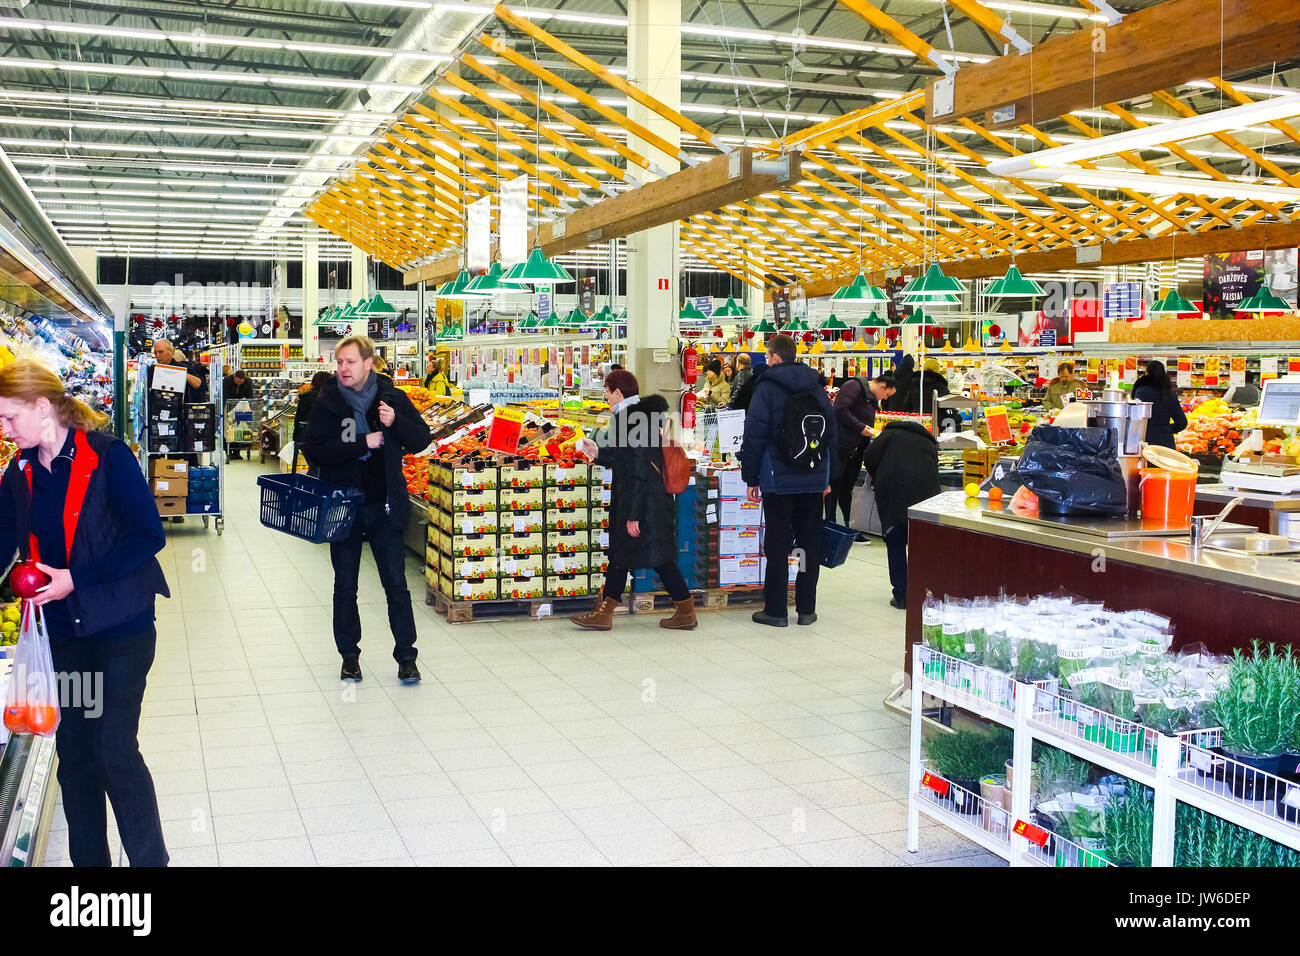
{"x":1167,"y":417}
{"x":855,"y":417}
{"x":904,"y":372}
{"x":903,"y":462}
{"x":643,"y":515}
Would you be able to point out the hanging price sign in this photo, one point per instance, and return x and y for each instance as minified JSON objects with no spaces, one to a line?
{"x":1035,"y":835}
{"x":507,"y":424}
{"x":999,"y":424}
{"x":937,"y":784}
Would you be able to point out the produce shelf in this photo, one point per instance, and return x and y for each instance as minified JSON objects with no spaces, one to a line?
{"x":1124,"y":746}
{"x":981,"y":690}
{"x":1236,"y":791}
{"x":1059,"y":852}
{"x":965,"y":812}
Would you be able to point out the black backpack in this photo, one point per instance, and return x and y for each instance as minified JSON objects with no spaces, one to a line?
{"x":805,"y":434}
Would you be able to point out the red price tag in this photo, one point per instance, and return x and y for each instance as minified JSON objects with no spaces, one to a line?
{"x":999,"y":424}
{"x":937,"y":784}
{"x":506,"y":427}
{"x":1035,"y":835}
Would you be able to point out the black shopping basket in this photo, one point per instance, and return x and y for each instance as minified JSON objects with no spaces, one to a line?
{"x":837,"y":540}
{"x":307,"y":507}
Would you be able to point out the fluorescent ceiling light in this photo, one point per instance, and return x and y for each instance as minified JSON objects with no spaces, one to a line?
{"x":314,"y":114}
{"x":1163,"y":185}
{"x":214,"y":76}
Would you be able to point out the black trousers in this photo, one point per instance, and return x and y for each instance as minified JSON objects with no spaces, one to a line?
{"x":896,"y":551}
{"x":670,"y":574}
{"x":792,"y":521}
{"x":99,"y":754}
{"x":841,"y":496}
{"x":389,"y":552}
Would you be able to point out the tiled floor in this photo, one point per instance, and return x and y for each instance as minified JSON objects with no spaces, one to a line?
{"x":528,"y":743}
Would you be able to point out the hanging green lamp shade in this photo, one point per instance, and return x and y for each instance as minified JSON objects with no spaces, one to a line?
{"x":1014,"y":284}
{"x":832,"y":324}
{"x":489,"y":283}
{"x":933,"y":281}
{"x":917,"y":318}
{"x":731,"y":309}
{"x":873,"y":321}
{"x":459,"y":288}
{"x":796,"y":325}
{"x":859,"y":290}
{"x":576,"y":319}
{"x":451,"y":332}
{"x":1265,"y":300}
{"x":328,"y":317}
{"x":537,"y":270}
{"x":376,"y":308}
{"x":552,"y":321}
{"x":764,"y":327}
{"x":933,"y":299}
{"x":529,"y":321}
{"x":692,"y":312}
{"x":995,"y":287}
{"x":1171,"y":304}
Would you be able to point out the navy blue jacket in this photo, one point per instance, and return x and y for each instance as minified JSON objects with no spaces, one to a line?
{"x":1167,"y":416}
{"x":115,"y":573}
{"x":762,"y":461}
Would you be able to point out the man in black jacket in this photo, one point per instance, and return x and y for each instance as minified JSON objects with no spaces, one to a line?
{"x":903,"y":461}
{"x":361,"y":424}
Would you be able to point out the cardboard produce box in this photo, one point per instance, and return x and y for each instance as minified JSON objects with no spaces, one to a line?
{"x":169,"y":487}
{"x":575,"y":562}
{"x":486,"y":590}
{"x":528,"y":542}
{"x":522,"y":499}
{"x":523,"y":565}
{"x":473,"y":545}
{"x":560,"y":475}
{"x":523,"y":475}
{"x":523,"y":586}
{"x":567,"y":519}
{"x":740,"y":569}
{"x":169,"y":468}
{"x":740,"y":512}
{"x":599,"y":538}
{"x":597,"y":562}
{"x":739,"y":540}
{"x":169,"y":507}
{"x":599,"y":518}
{"x":473,"y":502}
{"x":522,"y":522}
{"x":477,"y":479}
{"x":567,"y":542}
{"x":566,"y":496}
{"x":458,"y":567}
{"x":568,"y":585}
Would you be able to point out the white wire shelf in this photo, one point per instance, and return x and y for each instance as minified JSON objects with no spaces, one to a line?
{"x":965,"y":812}
{"x":1124,"y":746}
{"x":973,"y":687}
{"x":1059,"y":852}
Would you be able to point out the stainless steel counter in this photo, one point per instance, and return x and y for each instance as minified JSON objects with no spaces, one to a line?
{"x":1222,"y":494}
{"x":1275,"y":576}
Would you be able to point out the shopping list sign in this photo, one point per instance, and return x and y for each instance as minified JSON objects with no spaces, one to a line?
{"x":731,"y":430}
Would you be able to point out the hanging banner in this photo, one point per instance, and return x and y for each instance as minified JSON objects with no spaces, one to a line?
{"x":543,"y":304}
{"x":478,"y":238}
{"x":514,"y":221}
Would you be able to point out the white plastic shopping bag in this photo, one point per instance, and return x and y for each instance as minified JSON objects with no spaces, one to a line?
{"x":32,"y":703}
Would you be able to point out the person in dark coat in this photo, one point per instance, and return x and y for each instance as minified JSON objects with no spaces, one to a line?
{"x":642,"y":513}
{"x":1167,"y":417}
{"x":792,"y":496}
{"x":236,"y":387}
{"x":741,"y":396}
{"x":361,"y":425}
{"x":856,"y":405}
{"x":302,"y":414}
{"x":925,"y":386}
{"x":903,"y":461}
{"x":904,"y":372}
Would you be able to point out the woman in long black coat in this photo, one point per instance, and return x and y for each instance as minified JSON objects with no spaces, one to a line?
{"x":643,"y":515}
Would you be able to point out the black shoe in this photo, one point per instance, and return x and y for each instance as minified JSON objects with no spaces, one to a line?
{"x":351,"y":669}
{"x":895,"y":602}
{"x":805,"y":619}
{"x":408,"y":673}
{"x":861,"y":539}
{"x":762,"y":617}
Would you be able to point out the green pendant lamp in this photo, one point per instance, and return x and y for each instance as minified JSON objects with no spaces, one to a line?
{"x":832,"y":324}
{"x":1171,"y":304}
{"x":529,"y":321}
{"x":1013,"y":284}
{"x":551,"y":322}
{"x":489,"y":283}
{"x":860,"y":291}
{"x":692,"y":313}
{"x":917,"y":318}
{"x":537,"y":270}
{"x":1265,"y":300}
{"x":731,"y":309}
{"x":933,"y":299}
{"x":933,"y":281}
{"x":451,"y":333}
{"x":576,"y":319}
{"x":458,"y":288}
{"x":873,"y":321}
{"x":376,"y":308}
{"x":764,"y":327}
{"x":796,"y":325}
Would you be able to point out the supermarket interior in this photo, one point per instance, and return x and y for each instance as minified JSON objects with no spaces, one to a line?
{"x":648,"y":432}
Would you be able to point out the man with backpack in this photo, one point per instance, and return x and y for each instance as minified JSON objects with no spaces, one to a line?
{"x":786,"y":453}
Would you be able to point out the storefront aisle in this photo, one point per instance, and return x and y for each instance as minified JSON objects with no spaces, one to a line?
{"x":529,"y":743}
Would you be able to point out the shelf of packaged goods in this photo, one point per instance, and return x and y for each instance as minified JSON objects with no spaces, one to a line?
{"x":971,"y":687}
{"x":987,"y":824}
{"x":1226,"y":787}
{"x":1122,"y":746}
{"x":1060,"y":853}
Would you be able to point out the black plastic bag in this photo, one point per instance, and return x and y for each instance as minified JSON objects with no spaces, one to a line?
{"x":1074,"y":471}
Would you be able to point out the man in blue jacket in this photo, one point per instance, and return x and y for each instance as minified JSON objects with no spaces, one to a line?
{"x":792,"y":491}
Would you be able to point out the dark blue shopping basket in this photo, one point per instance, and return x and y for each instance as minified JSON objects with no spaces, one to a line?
{"x":307,"y":507}
{"x":837,"y":540}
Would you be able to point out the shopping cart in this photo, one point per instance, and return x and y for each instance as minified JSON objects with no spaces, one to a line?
{"x":242,"y":425}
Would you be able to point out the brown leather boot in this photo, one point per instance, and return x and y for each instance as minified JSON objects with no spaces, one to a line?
{"x":683,"y":618}
{"x":599,"y":618}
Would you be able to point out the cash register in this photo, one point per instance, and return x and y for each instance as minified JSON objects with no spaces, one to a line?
{"x":1279,"y":406}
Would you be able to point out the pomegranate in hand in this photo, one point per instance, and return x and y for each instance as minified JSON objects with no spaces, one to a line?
{"x":27,"y":579}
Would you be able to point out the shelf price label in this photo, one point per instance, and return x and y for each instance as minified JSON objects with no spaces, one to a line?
{"x":1035,"y":835}
{"x":937,"y":784}
{"x":507,"y":424}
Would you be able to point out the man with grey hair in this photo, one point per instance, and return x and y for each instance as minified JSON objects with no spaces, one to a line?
{"x":361,"y":425}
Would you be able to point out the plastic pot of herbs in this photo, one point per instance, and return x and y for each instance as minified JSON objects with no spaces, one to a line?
{"x":1259,"y":711}
{"x":963,"y":757}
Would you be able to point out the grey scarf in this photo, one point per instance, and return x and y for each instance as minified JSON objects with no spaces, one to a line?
{"x":360,"y":400}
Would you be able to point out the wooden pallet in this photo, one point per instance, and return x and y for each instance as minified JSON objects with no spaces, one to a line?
{"x":706,"y":598}
{"x":467,"y":612}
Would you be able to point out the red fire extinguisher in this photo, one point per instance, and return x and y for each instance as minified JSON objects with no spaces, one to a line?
{"x":690,"y":370}
{"x":688,"y":409}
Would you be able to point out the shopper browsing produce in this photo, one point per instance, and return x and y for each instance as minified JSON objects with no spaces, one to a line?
{"x":1167,"y":417}
{"x":1064,"y":384}
{"x":743,"y":374}
{"x":903,"y":373}
{"x":75,"y":502}
{"x":903,"y":461}
{"x":856,"y":405}
{"x":717,"y":390}
{"x":360,"y":427}
{"x":786,"y":453}
{"x":924,"y":387}
{"x":642,"y":513}
{"x":436,"y":381}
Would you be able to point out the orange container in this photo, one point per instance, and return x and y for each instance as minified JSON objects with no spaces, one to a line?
{"x":1167,"y":495}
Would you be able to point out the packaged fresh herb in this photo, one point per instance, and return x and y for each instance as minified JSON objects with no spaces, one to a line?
{"x":1036,"y":657}
{"x":931,"y":622}
{"x":952,"y":638}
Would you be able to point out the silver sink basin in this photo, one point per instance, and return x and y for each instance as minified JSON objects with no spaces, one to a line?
{"x":1253,"y":543}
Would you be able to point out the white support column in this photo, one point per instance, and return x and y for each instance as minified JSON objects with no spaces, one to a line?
{"x":358,"y":280}
{"x":281,"y":295}
{"x":310,"y":294}
{"x":88,"y":259}
{"x":654,"y":59}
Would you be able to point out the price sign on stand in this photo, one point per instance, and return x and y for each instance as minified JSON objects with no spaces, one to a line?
{"x":503,"y":436}
{"x":731,"y":430}
{"x":1035,"y":835}
{"x":999,"y":424}
{"x":937,"y":784}
{"x":1185,"y":379}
